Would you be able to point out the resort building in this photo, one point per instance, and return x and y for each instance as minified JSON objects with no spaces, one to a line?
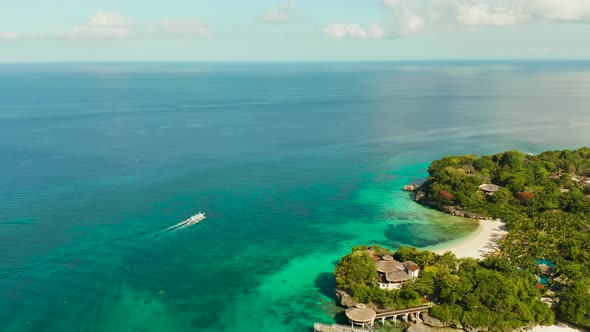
{"x":412,"y":268}
{"x":489,"y":189}
{"x":361,"y":315}
{"x":393,"y":274}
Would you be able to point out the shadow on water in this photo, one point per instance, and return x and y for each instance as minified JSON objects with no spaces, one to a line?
{"x":326,"y":283}
{"x":341,"y":318}
{"x":387,"y":244}
{"x":413,"y":235}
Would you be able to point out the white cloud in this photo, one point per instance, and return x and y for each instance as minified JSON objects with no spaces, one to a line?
{"x":409,"y":23}
{"x":113,"y":25}
{"x":410,"y":17}
{"x":561,"y":10}
{"x":481,"y":14}
{"x":340,"y":30}
{"x":186,"y":27}
{"x":104,"y":19}
{"x":9,"y":36}
{"x":282,"y":13}
{"x":274,"y":15}
{"x":103,"y":25}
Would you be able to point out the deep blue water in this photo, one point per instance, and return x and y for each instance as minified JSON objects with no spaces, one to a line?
{"x":293,"y":164}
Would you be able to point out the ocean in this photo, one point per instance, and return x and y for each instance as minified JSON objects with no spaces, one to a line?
{"x":292,"y":163}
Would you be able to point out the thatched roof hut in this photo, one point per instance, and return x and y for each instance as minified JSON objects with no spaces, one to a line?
{"x":397,"y":276}
{"x":361,"y":314}
{"x":388,"y":264}
{"x":489,"y":188}
{"x":411,"y":266}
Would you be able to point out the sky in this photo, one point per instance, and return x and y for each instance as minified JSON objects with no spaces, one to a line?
{"x":292,"y":30}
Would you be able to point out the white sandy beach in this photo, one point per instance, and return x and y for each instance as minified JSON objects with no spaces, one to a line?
{"x":479,"y":245}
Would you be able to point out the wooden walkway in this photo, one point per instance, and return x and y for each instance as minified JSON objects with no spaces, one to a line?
{"x":405,"y":314}
{"x":404,"y":311}
{"x":320,"y":327}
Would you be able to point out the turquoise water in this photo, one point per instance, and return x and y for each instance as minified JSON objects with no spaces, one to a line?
{"x":293,"y":164}
{"x":546,"y":262}
{"x":543,"y":279}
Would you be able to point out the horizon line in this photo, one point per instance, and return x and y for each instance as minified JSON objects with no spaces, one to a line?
{"x":295,"y":61}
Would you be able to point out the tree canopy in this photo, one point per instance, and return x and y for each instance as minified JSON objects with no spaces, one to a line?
{"x":489,"y":293}
{"x":545,"y":202}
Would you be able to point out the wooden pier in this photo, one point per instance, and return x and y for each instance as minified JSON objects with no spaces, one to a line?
{"x":409,"y":314}
{"x":405,"y":314}
{"x":320,"y":327}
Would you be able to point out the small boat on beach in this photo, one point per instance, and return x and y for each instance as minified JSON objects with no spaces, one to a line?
{"x":195,"y":219}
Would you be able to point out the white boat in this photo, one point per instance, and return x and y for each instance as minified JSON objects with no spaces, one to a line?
{"x":195,"y":218}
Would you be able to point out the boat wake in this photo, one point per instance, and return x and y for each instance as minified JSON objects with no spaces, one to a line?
{"x":195,"y":219}
{"x":155,"y":233}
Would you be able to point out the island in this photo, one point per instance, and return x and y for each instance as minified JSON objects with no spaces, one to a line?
{"x":538,"y":272}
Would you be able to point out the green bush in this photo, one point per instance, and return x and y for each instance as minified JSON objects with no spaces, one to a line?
{"x":575,"y":303}
{"x":355,"y":268}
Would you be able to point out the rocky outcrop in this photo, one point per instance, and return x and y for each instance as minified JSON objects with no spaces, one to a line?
{"x":411,"y":187}
{"x":455,"y":211}
{"x":432,"y":321}
{"x":420,"y":196}
{"x":345,"y":299}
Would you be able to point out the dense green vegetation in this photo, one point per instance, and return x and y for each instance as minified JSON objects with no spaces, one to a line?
{"x":529,"y":184}
{"x":357,"y":274}
{"x":468,"y":292}
{"x":545,"y":203}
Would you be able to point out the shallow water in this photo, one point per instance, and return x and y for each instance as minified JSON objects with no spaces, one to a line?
{"x":293,"y":164}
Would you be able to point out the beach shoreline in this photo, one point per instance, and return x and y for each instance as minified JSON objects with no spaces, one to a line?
{"x":479,"y":245}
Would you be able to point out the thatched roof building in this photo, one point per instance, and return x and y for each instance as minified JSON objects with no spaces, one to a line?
{"x":388,"y":264}
{"x":397,"y":276}
{"x":489,"y":188}
{"x":411,"y":265}
{"x":361,"y":315}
